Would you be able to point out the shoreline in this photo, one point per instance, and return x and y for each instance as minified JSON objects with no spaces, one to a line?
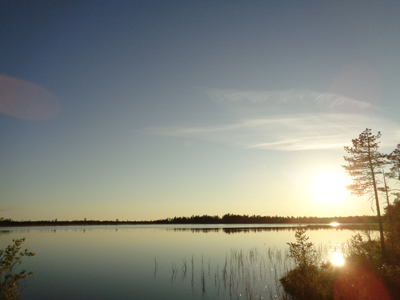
{"x":342,"y":225}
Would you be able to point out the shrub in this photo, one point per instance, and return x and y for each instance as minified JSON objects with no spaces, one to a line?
{"x":10,"y":283}
{"x":307,"y":280}
{"x":366,"y":254}
{"x":392,"y":230}
{"x":302,"y":252}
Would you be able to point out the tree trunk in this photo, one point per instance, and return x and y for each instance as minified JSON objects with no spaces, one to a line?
{"x":379,"y":219}
{"x":383,"y":247}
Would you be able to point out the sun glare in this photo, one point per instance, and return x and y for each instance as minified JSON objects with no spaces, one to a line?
{"x":336,"y":255}
{"x":337,"y":259}
{"x":329,"y":187}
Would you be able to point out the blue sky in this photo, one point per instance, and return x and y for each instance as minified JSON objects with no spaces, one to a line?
{"x":153,"y":109}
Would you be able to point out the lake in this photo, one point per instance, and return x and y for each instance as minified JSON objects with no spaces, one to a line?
{"x":159,"y":261}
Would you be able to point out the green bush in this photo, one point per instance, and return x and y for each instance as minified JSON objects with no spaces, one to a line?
{"x":10,"y":283}
{"x":302,"y":252}
{"x":308,"y":280}
{"x":366,"y":254}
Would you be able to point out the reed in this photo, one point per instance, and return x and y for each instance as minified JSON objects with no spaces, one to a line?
{"x":202,"y":276}
{"x":155,"y":267}
{"x":192,"y":278}
{"x":174,"y":272}
{"x":249,"y":275}
{"x":184,"y":268}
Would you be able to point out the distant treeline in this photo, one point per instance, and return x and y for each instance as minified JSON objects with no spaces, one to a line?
{"x":11,"y":223}
{"x":245,"y":219}
{"x":205,"y":219}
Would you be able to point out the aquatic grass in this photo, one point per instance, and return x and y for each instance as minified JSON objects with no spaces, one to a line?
{"x":184,"y":268}
{"x":242,"y":275}
{"x":192,"y":278}
{"x":174,"y":272}
{"x":303,"y":270}
{"x":202,"y":277}
{"x":262,"y":274}
{"x":155,"y":267}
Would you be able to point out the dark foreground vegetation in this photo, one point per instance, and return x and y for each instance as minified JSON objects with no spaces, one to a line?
{"x":365,"y":274}
{"x":372,"y":267}
{"x":11,"y":282}
{"x":205,"y":219}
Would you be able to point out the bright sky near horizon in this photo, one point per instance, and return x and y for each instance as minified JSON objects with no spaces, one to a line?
{"x":153,"y":109}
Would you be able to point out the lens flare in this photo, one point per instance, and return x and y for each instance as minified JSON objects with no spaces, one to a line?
{"x":25,"y":100}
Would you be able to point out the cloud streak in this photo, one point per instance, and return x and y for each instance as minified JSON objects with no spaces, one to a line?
{"x":320,"y":127}
{"x":288,"y":96}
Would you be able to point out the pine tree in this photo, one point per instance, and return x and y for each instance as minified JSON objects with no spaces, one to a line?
{"x":364,"y":163}
{"x":394,"y":158}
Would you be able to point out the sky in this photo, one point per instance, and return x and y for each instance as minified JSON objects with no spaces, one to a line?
{"x":144,"y":110}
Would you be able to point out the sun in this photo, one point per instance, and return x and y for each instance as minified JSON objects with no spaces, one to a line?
{"x":329,"y":187}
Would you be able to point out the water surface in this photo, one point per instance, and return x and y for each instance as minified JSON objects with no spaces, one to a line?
{"x":148,"y":261}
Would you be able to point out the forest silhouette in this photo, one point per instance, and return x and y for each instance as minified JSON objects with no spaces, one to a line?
{"x":204,"y":219}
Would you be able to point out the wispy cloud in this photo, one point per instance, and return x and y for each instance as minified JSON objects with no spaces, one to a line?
{"x":304,"y":143}
{"x":287,"y":96}
{"x":328,"y":121}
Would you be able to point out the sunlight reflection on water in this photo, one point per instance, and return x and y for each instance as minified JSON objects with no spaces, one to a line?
{"x":336,"y":255}
{"x":337,"y":259}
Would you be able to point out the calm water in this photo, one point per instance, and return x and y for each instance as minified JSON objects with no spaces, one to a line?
{"x":156,"y":262}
